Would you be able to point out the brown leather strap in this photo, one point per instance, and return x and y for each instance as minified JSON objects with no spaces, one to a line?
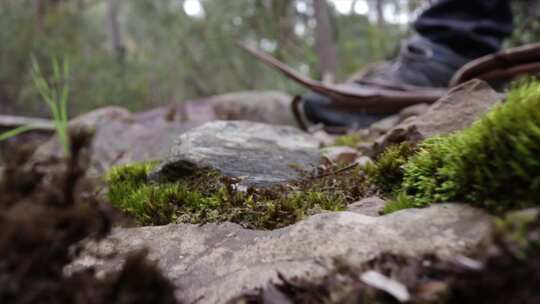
{"x":503,"y":65}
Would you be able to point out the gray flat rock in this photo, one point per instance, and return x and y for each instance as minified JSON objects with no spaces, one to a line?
{"x":258,"y":154}
{"x":269,"y":107}
{"x":371,"y":206}
{"x":216,"y":262}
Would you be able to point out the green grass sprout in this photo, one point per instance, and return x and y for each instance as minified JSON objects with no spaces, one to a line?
{"x":14,"y":132}
{"x":55,"y":93}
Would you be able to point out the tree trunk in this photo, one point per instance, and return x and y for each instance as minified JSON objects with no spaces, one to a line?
{"x":353,"y":5}
{"x":40,"y":8}
{"x":324,"y":41}
{"x":380,"y":13}
{"x":113,"y":29}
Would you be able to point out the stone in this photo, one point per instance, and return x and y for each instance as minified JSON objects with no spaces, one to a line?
{"x":192,"y":112}
{"x":259,"y":154}
{"x":414,"y":110}
{"x":371,"y":206}
{"x":119,"y":138}
{"x":339,"y":154}
{"x":89,"y":121}
{"x":216,"y":262}
{"x":366,"y":148}
{"x":458,"y":109}
{"x":385,"y":124}
{"x":100,"y":116}
{"x":388,"y":123}
{"x":123,"y":142}
{"x":323,"y":137}
{"x":363,"y":161}
{"x":269,"y":107}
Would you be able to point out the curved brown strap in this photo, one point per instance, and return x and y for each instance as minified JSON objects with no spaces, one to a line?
{"x":384,"y":99}
{"x":297,"y":113}
{"x":353,"y":95}
{"x":502,"y":65}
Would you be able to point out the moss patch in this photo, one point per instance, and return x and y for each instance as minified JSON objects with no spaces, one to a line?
{"x":493,"y":164}
{"x":387,"y":172}
{"x":350,"y":140}
{"x":208,"y":197}
{"x":399,"y":202}
{"x":518,"y":230}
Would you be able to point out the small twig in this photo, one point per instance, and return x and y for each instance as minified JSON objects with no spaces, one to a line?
{"x":349,"y":167}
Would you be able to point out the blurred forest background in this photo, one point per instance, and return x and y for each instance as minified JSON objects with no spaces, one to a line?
{"x":144,"y":53}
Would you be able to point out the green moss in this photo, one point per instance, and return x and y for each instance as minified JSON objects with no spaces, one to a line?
{"x":400,"y":202}
{"x":387,"y":172}
{"x":208,"y":197}
{"x":156,"y":203}
{"x":494,"y":163}
{"x":349,"y":140}
{"x":517,"y":230}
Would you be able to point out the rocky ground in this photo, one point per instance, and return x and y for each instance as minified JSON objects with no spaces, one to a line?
{"x":234,"y":204}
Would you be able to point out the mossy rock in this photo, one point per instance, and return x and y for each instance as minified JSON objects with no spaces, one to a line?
{"x":493,"y":164}
{"x":206,"y":196}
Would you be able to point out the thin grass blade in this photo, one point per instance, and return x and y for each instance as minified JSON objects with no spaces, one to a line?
{"x":14,"y":132}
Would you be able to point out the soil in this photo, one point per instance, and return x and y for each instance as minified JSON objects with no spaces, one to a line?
{"x":43,"y":218}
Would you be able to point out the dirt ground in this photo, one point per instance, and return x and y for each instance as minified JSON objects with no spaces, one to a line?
{"x":43,"y":218}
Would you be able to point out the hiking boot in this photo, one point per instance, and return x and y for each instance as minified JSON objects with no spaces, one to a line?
{"x":420,"y":63}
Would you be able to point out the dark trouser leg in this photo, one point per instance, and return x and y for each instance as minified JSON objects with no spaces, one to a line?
{"x":472,"y":28}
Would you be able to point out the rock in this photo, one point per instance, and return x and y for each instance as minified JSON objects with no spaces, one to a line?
{"x":8,"y":122}
{"x":119,"y":138}
{"x":323,"y":137}
{"x":192,"y":112}
{"x":199,"y":112}
{"x":216,"y":262}
{"x":122,"y":142}
{"x":458,"y":109}
{"x":385,"y":124}
{"x":371,"y":206}
{"x":259,"y":106}
{"x":339,"y":154}
{"x":363,"y":161}
{"x":258,"y":154}
{"x":366,"y":148}
{"x":414,"y":110}
{"x":100,"y":116}
{"x":90,"y":121}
